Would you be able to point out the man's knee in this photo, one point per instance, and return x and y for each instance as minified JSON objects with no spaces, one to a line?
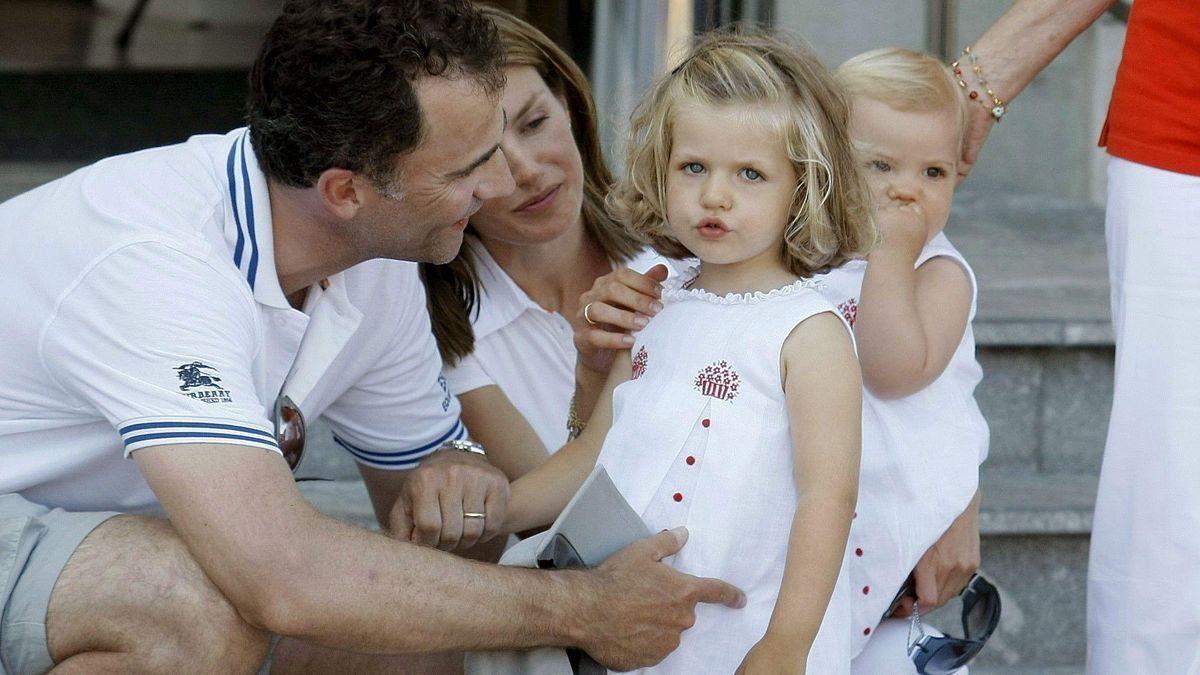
{"x":159,"y":606}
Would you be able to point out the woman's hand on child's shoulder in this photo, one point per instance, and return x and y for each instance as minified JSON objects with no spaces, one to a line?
{"x":903,"y":227}
{"x":618,"y":303}
{"x":773,"y":655}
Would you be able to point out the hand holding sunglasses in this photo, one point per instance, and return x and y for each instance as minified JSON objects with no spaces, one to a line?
{"x":945,"y":654}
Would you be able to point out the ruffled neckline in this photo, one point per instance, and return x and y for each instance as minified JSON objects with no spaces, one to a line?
{"x":676,"y":288}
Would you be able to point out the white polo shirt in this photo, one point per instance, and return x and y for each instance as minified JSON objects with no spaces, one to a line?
{"x":142,"y":308}
{"x":528,"y":352}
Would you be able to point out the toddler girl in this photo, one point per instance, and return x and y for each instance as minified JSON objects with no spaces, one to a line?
{"x":738,"y":414}
{"x":910,"y":303}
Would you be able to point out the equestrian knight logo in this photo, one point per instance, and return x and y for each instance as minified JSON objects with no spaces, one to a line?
{"x":196,"y":375}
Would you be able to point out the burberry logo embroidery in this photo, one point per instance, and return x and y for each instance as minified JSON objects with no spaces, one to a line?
{"x":639,"y":363}
{"x":719,"y":381}
{"x":197,"y":375}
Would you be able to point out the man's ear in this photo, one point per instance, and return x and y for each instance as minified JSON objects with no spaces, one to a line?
{"x":343,"y":191}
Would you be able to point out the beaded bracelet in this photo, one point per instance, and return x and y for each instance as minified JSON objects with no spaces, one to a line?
{"x":996,"y":107}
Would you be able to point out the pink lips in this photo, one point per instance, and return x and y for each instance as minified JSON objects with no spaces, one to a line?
{"x":712,"y":228}
{"x":541,"y":201}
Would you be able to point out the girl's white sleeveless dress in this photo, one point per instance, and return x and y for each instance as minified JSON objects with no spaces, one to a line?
{"x":700,"y":438}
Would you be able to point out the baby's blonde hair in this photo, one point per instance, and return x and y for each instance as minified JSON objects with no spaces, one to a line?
{"x":831,"y":219}
{"x":905,"y":80}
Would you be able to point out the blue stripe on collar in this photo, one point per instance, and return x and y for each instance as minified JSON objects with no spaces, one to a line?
{"x":237,"y":218}
{"x":252,"y":272}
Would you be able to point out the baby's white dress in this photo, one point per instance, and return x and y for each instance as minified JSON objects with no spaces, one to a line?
{"x":920,"y":458}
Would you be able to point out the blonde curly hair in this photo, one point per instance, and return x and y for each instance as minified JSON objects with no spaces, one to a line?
{"x":830,"y":215}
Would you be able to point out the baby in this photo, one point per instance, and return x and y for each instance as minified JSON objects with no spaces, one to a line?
{"x":910,"y":304}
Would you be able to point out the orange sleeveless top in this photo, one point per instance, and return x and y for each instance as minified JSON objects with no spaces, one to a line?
{"x":1154,"y":116}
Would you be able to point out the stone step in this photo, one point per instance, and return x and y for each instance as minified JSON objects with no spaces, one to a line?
{"x":1047,"y":406}
{"x":1043,"y":327}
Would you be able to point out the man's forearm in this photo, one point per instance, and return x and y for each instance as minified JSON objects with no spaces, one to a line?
{"x":356,"y":590}
{"x":1028,"y":37}
{"x":291,"y":570}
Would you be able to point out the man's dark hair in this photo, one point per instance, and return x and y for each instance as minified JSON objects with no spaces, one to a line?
{"x":333,"y":85}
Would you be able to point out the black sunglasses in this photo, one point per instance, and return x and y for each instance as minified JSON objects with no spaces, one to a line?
{"x":289,"y":430}
{"x":944,"y":654}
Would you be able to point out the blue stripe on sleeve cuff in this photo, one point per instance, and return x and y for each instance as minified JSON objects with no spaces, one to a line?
{"x":167,"y":431}
{"x":402,"y":459}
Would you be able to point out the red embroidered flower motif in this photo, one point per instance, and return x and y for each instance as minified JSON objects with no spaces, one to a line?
{"x":849,"y":310}
{"x":639,"y":363}
{"x":718,"y":381}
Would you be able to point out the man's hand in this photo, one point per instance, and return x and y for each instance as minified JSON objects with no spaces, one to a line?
{"x":947,"y":566}
{"x":638,"y":607}
{"x":437,"y":493}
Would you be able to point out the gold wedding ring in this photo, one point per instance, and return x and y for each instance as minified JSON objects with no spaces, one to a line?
{"x":585,"y":314}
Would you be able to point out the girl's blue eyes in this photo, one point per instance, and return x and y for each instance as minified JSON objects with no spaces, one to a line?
{"x":934,"y":172}
{"x":695,"y":168}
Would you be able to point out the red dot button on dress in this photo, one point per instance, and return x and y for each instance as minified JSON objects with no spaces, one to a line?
{"x":705,"y":422}
{"x":866,"y":590}
{"x":690,"y":460}
{"x":678,"y":497}
{"x":866,"y":631}
{"x":858,"y":552}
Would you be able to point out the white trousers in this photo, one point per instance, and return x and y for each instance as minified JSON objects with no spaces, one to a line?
{"x":1144,"y":573}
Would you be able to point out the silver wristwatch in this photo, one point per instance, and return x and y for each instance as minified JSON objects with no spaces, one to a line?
{"x":465,"y":446}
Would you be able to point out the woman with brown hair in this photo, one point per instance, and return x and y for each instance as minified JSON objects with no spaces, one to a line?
{"x":506,"y":309}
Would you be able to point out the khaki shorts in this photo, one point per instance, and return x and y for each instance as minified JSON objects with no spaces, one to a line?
{"x":35,"y":544}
